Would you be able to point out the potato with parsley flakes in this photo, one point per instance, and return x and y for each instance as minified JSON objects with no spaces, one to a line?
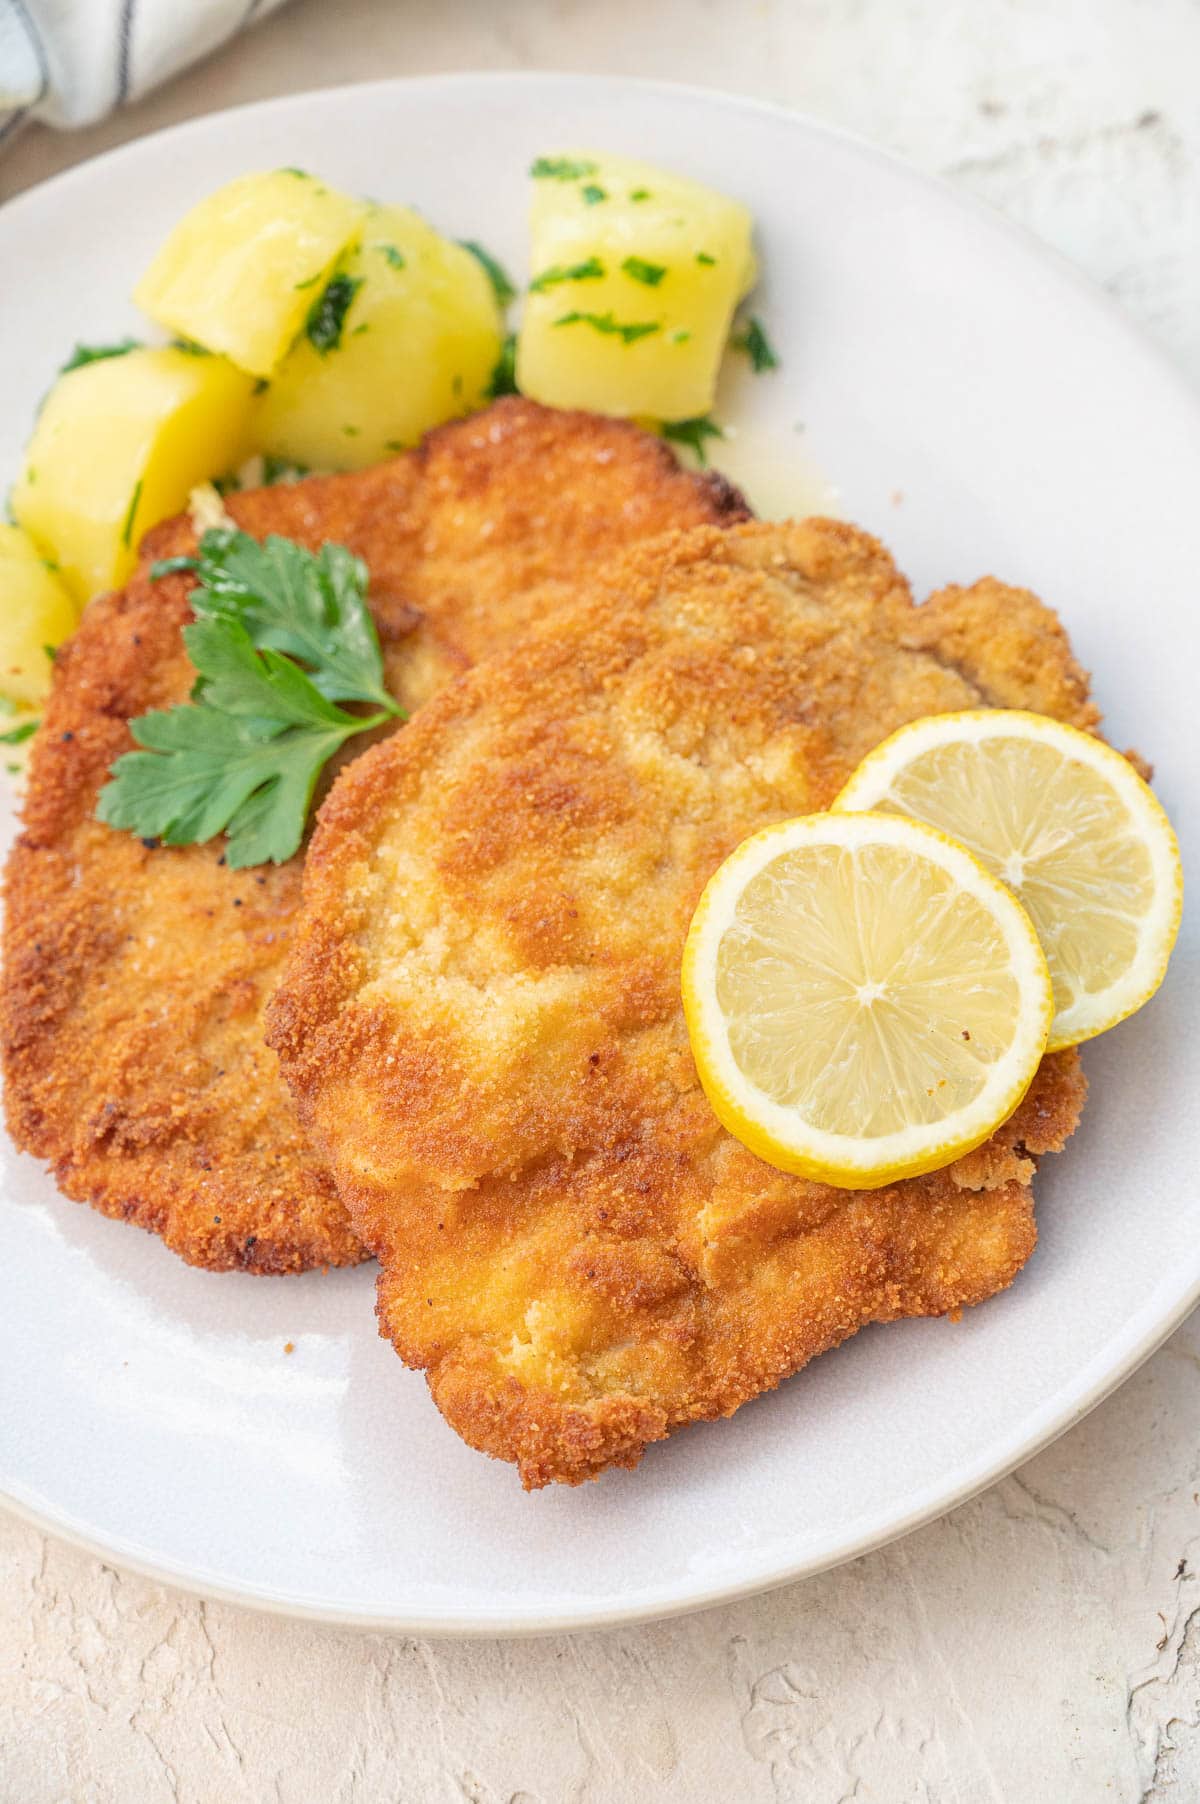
{"x":405,"y":334}
{"x":636,"y":274}
{"x":238,"y":273}
{"x":119,"y":444}
{"x":37,"y":612}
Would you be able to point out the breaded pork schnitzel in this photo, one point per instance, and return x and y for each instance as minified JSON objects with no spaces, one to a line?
{"x":481,"y":1022}
{"x":135,"y":975}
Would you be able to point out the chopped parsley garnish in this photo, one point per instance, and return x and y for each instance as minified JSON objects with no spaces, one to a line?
{"x":327,"y":315}
{"x":301,"y":173}
{"x":504,"y":375}
{"x":591,"y":271}
{"x":280,"y":469}
{"x":757,"y":347}
{"x":281,"y":637}
{"x":496,"y":273}
{"x":627,"y":331}
{"x":693,"y":433}
{"x":591,"y":193}
{"x":639,"y":194}
{"x":83,"y":354}
{"x":18,"y":735}
{"x":261,"y":386}
{"x":190,"y":348}
{"x":559,"y":169}
{"x":127,"y":529}
{"x":308,"y":282}
{"x":704,"y":258}
{"x":651,"y":274}
{"x":391,"y":256}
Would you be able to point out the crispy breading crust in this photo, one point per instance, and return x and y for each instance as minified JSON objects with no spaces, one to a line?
{"x":135,"y":975}
{"x":480,"y":1016}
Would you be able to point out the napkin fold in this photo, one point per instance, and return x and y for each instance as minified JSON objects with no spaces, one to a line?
{"x":68,"y":62}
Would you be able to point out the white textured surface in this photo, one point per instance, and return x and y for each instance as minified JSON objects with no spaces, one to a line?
{"x":1043,"y":1642}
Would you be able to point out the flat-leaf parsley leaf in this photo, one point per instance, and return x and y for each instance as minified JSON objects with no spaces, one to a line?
{"x":309,"y":605}
{"x":281,"y":637}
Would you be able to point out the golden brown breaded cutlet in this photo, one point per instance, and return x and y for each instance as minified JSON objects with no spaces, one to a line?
{"x":135,"y":975}
{"x":480,"y":1015}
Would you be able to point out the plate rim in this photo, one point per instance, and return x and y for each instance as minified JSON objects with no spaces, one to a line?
{"x":1142,"y":1338}
{"x":665,"y":1607}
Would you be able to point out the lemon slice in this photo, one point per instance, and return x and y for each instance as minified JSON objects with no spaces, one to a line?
{"x":1069,"y":825}
{"x":865,"y":1002}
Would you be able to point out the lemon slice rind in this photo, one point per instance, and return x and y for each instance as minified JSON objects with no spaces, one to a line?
{"x":871,"y":785}
{"x":778,"y":1133}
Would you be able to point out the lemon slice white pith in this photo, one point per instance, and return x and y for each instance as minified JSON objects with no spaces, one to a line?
{"x":1068,"y":824}
{"x":865,"y":1002}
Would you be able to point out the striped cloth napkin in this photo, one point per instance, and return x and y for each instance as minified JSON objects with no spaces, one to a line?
{"x":68,"y":62}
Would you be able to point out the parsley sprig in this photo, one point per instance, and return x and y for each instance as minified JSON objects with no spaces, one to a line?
{"x":282,"y":636}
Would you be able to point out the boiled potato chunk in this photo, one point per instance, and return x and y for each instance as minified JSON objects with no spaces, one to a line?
{"x":118,"y":446}
{"x":636,"y":274}
{"x":406,"y":335}
{"x":239,"y":272}
{"x":37,"y":612}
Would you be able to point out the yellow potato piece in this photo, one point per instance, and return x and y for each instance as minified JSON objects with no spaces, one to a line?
{"x":408,"y":337}
{"x":636,"y":274}
{"x":118,"y":446}
{"x":37,"y":611}
{"x":239,"y":272}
